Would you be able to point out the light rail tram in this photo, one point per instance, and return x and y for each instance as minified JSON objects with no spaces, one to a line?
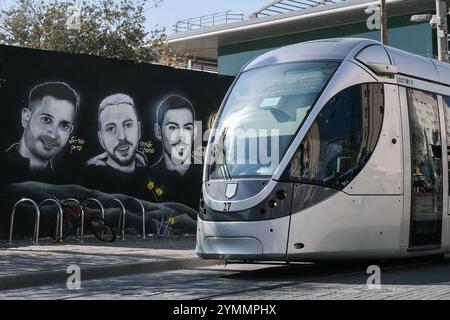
{"x":329,"y":149}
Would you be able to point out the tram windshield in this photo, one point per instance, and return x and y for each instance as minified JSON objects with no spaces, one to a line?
{"x":261,"y":116}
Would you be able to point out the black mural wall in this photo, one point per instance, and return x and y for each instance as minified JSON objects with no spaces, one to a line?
{"x":106,"y":125}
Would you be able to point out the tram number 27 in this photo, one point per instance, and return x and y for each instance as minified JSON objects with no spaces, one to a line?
{"x":226,"y":206}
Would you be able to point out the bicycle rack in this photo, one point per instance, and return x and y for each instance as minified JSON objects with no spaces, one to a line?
{"x":36,"y":221}
{"x":65,"y":201}
{"x":59,"y":218}
{"x":102,"y":209}
{"x":143,"y":214}
{"x":122,"y":215}
{"x":163,"y":225}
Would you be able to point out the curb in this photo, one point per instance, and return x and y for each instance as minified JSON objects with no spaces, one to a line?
{"x":33,"y":279}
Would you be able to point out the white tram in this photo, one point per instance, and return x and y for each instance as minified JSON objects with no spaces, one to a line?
{"x":329,"y":149}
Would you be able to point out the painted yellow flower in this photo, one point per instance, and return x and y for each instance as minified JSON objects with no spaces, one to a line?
{"x":151,"y":185}
{"x":159,"y":192}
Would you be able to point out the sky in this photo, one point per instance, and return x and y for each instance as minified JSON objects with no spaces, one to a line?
{"x":171,"y":11}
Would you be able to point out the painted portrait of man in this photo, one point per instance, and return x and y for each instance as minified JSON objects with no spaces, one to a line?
{"x":117,"y":168}
{"x":119,"y":132}
{"x":47,"y":123}
{"x":175,"y":128}
{"x":176,"y":173}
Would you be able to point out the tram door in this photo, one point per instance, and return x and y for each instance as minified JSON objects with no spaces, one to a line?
{"x":426,"y":170}
{"x":446,"y":106}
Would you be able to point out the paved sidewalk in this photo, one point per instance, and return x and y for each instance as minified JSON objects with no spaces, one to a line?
{"x":25,"y":264}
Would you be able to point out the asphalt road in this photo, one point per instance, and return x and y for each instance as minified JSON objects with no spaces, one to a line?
{"x":412,"y":280}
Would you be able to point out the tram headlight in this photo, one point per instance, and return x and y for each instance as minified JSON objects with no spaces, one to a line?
{"x":272,"y":204}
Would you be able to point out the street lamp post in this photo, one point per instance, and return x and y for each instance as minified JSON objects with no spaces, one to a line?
{"x":384,"y":38}
{"x":442,"y":30}
{"x":438,"y":21}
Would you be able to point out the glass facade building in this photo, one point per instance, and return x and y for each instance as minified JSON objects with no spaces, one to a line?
{"x":231,"y":46}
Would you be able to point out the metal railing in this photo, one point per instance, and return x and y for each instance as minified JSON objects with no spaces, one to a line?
{"x":59,"y":234}
{"x":121,"y":224}
{"x":36,"y":221}
{"x":100,"y":205}
{"x":202,"y":65}
{"x":283,"y":6}
{"x":210,"y":20}
{"x":141,"y":206}
{"x":59,"y":218}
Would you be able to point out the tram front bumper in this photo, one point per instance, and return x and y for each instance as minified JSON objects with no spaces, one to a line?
{"x":250,"y":240}
{"x":230,"y":248}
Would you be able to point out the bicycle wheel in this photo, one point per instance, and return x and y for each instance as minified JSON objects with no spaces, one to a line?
{"x":102,"y":231}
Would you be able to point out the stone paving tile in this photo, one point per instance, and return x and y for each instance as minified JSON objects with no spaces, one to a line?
{"x":149,"y":284}
{"x":243,"y":282}
{"x":324,"y":290}
{"x":444,"y":295}
{"x":50,"y":256}
{"x":344,"y":292}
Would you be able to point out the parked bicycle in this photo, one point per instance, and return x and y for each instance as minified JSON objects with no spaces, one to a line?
{"x":92,"y":222}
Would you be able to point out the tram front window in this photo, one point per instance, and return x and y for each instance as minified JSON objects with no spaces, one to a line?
{"x":261,"y":116}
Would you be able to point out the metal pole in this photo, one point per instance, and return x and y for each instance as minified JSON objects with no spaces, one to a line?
{"x":102,"y":210}
{"x":384,"y":37}
{"x":442,"y":31}
{"x":82,"y":215}
{"x":59,"y":218}
{"x":141,"y":206}
{"x":121,"y":217}
{"x":36,"y":221}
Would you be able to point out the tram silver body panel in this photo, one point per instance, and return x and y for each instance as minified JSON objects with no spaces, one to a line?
{"x":243,"y":240}
{"x":369,"y":218}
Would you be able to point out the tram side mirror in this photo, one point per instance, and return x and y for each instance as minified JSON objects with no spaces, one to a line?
{"x":383,"y":69}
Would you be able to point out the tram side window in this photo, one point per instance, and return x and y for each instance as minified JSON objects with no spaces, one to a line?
{"x":447,"y":126}
{"x":341,"y":139}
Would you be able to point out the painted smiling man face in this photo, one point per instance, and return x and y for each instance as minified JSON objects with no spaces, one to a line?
{"x":178,"y":135}
{"x":119,"y":134}
{"x":47,"y":127}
